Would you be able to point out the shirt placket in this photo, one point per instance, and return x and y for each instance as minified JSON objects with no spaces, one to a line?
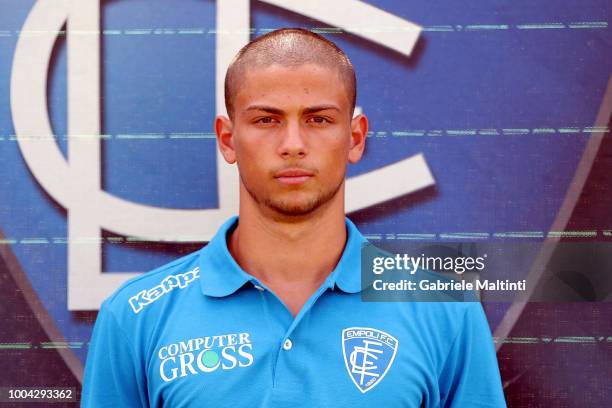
{"x":285,"y":389}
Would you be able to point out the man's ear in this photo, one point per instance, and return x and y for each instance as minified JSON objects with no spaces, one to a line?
{"x":225,"y":138}
{"x":359,"y":131}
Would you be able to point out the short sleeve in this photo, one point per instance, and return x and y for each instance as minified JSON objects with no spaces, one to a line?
{"x":112,"y":378}
{"x":470,"y":376}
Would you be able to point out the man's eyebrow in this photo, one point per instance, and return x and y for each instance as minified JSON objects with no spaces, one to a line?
{"x":276,"y":111}
{"x":318,"y":108}
{"x":265,"y":108}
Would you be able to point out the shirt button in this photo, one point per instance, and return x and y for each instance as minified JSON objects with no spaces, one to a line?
{"x":287,"y":345}
{"x":259,"y":288}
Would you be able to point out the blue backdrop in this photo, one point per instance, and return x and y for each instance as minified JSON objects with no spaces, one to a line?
{"x":499,"y":96}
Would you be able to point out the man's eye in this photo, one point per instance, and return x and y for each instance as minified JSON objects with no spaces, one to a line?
{"x":267,"y":120}
{"x":319,"y":120}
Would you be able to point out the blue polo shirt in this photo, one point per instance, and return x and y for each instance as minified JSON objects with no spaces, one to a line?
{"x":201,"y":332}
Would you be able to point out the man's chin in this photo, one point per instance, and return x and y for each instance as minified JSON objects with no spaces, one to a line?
{"x":296,"y":204}
{"x":294,"y":208}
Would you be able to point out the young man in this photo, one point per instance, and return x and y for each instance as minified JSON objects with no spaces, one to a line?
{"x":269,"y":313}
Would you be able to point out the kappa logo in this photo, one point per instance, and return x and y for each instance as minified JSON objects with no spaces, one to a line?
{"x":368,"y":355}
{"x":147,"y":296}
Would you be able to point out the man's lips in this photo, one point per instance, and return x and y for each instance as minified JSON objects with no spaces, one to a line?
{"x":293,"y":176}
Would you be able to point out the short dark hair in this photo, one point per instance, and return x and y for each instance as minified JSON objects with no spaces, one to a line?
{"x":289,"y":47}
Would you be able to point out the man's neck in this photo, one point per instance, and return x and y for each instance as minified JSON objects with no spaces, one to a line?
{"x":292,"y":257}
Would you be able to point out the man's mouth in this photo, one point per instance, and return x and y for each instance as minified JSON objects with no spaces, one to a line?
{"x":293,"y":176}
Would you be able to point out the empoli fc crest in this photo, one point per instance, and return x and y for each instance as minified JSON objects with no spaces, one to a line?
{"x":368,"y":355}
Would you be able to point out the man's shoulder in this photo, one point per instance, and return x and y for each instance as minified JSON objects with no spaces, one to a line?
{"x":137,"y":293}
{"x":449,"y":314}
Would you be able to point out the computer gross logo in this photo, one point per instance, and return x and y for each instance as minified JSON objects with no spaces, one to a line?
{"x":203,"y":355}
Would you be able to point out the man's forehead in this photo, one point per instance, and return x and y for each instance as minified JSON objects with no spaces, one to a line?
{"x":307,"y":69}
{"x":261,"y":85}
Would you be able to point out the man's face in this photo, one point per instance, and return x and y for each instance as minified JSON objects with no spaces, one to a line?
{"x":292,"y":137}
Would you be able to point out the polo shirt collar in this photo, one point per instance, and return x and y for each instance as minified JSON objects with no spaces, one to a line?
{"x":220,"y":274}
{"x":347,"y":274}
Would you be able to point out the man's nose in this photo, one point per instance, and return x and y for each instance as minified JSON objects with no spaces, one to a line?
{"x":293,"y":141}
